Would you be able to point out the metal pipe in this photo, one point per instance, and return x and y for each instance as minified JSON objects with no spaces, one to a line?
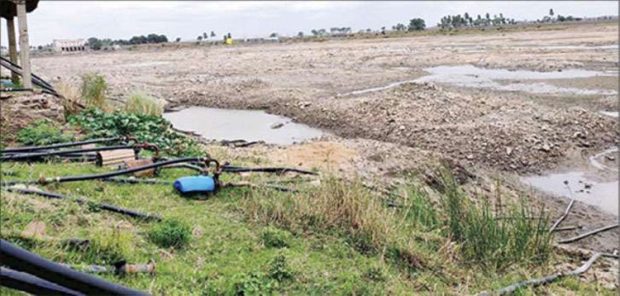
{"x":22,"y":260}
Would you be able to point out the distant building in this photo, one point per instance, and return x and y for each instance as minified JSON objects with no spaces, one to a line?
{"x":69,"y":45}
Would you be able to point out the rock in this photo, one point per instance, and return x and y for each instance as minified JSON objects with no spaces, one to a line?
{"x":277,"y":125}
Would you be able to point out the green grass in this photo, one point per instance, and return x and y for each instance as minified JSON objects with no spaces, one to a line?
{"x":93,"y":90}
{"x":338,"y":238}
{"x":140,"y":103}
{"x":42,"y":132}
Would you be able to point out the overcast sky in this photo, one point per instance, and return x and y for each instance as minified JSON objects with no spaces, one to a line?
{"x":124,"y":19}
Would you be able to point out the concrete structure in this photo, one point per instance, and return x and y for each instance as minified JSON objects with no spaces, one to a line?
{"x":9,"y":10}
{"x":69,"y":45}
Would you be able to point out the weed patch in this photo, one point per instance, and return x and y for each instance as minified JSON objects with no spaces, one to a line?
{"x":93,"y":90}
{"x":170,"y":234}
{"x":279,"y":269}
{"x":42,"y":132}
{"x":274,"y":238}
{"x":142,"y":104}
{"x":145,"y":128}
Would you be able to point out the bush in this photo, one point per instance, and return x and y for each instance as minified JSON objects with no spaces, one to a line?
{"x":145,"y":128}
{"x":495,"y":240}
{"x":42,"y":132}
{"x":254,"y":283}
{"x":140,"y":103}
{"x":279,"y":270}
{"x":274,"y":238}
{"x":93,"y":89}
{"x":170,"y":233}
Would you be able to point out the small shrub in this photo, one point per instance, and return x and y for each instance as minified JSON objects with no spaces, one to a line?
{"x":93,"y":89}
{"x":279,"y":270}
{"x":170,"y":233}
{"x":375,"y":274}
{"x":520,"y":235}
{"x":254,"y":283}
{"x":42,"y":132}
{"x":274,"y":238}
{"x":140,"y":103}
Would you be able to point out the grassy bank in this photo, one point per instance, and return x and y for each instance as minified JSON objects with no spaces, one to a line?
{"x":334,"y":238}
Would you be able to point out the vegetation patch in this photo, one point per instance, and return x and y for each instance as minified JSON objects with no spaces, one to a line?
{"x":42,"y":132}
{"x":145,"y":128}
{"x":170,"y":234}
{"x":275,"y":238}
{"x":93,"y":90}
{"x":143,"y":104}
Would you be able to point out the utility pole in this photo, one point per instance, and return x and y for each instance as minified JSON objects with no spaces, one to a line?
{"x":10,"y":28}
{"x":24,"y":46}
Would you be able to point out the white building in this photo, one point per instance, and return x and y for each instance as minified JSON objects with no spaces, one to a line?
{"x":69,"y":45}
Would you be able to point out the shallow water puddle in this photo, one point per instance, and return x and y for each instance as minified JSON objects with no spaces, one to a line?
{"x":500,"y":79}
{"x":601,"y":194}
{"x":584,"y":187}
{"x":471,"y":76}
{"x":249,"y":125}
{"x":613,"y":114}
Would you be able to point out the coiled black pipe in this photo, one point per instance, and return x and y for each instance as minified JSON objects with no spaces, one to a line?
{"x":59,"y":145}
{"x":103,"y":206}
{"x":61,"y":152}
{"x":22,"y":260}
{"x":31,"y":284}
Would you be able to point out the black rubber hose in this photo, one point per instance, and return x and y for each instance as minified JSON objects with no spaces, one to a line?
{"x":104,"y":175}
{"x":233,"y":169}
{"x":80,"y":200}
{"x":31,"y":284}
{"x":22,"y":260}
{"x":136,"y":181}
{"x":120,"y":172}
{"x":61,"y":152}
{"x":59,"y":145}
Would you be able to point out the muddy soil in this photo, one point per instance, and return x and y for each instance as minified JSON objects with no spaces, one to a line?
{"x":389,"y":132}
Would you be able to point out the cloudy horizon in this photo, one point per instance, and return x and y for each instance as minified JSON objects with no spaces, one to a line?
{"x":244,"y":19}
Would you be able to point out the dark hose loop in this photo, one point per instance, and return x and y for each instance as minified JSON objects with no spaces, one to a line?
{"x":60,"y":145}
{"x":19,"y":259}
{"x":31,"y":284}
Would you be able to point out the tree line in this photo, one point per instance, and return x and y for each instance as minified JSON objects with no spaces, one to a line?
{"x":466,"y":20}
{"x":97,"y":44}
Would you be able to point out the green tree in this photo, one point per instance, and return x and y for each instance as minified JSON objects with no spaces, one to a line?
{"x":300,"y":34}
{"x":417,"y":24}
{"x":94,"y":43}
{"x":551,"y":13}
{"x":212,"y":34}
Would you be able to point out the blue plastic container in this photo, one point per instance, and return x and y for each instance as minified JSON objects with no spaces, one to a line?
{"x":195,"y":184}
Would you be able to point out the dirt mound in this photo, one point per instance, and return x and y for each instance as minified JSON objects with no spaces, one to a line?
{"x":20,"y":109}
{"x":483,"y":129}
